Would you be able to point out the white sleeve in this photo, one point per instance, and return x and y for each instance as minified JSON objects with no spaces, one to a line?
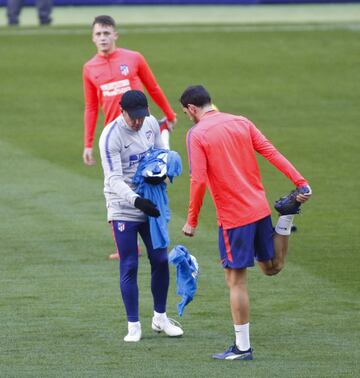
{"x":118,"y":186}
{"x":110,"y":148}
{"x":158,"y":142}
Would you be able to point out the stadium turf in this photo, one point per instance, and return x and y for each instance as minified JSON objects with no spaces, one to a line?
{"x":60,"y":309}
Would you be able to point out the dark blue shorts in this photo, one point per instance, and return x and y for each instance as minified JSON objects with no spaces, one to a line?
{"x":238,"y":247}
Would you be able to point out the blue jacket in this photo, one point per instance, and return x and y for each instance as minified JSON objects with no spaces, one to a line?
{"x":158,"y":162}
{"x":187,"y":273}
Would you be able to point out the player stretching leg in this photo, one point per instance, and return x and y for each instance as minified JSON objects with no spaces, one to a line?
{"x":222,"y":156}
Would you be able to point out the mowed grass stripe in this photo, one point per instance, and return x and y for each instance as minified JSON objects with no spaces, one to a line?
{"x":261,"y":28}
{"x":205,"y":14}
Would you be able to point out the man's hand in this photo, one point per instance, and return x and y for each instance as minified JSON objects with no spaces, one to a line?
{"x":165,"y":124}
{"x":171,"y":125}
{"x":88,"y":156}
{"x":148,"y":207}
{"x":188,"y":230}
{"x":304,"y":193}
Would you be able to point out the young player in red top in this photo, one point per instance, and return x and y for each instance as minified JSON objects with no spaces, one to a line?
{"x":108,"y":75}
{"x":222,"y":156}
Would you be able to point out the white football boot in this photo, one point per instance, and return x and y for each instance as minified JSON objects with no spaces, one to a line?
{"x":134,"y":332}
{"x":164,"y":324}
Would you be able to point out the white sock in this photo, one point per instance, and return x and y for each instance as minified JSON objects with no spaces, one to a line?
{"x":284,"y":223}
{"x":160,"y":315}
{"x":242,"y":336}
{"x":165,"y":137}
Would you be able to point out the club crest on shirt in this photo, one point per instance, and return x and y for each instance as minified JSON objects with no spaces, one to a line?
{"x":148,"y":134}
{"x":124,"y":69}
{"x":121,"y":227}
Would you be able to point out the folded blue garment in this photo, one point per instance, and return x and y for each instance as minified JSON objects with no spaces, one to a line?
{"x":158,"y":162}
{"x":187,"y":272}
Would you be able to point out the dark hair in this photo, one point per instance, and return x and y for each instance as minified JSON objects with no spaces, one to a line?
{"x":196,"y":95}
{"x":104,"y":20}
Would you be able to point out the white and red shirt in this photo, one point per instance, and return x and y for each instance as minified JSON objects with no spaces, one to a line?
{"x":106,"y":79}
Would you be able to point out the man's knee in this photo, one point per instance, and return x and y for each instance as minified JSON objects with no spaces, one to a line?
{"x":272,"y":272}
{"x":161,"y":266}
{"x":235,"y":277}
{"x":271,"y":269}
{"x":128,"y":270}
{"x":158,"y":257}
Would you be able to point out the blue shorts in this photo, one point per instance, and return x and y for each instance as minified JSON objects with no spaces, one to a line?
{"x":238,"y":247}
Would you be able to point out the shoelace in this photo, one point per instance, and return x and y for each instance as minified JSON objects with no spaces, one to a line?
{"x":232,"y":349}
{"x":235,"y":349}
{"x":174,"y":322}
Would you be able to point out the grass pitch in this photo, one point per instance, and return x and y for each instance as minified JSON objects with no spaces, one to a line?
{"x":61,"y":313}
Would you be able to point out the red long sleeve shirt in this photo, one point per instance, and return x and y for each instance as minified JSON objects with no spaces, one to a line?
{"x":107,"y":78}
{"x":222,"y":155}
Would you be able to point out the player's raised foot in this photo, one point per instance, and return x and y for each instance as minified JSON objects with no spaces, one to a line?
{"x":167,"y":325}
{"x":288,"y":204}
{"x":134,"y":332}
{"x":233,"y":353}
{"x":114,"y":256}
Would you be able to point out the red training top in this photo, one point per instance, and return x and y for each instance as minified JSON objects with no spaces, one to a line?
{"x":221,"y":150}
{"x":107,"y":78}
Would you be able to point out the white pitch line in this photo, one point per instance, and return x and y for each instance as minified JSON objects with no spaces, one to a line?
{"x":189,"y":29}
